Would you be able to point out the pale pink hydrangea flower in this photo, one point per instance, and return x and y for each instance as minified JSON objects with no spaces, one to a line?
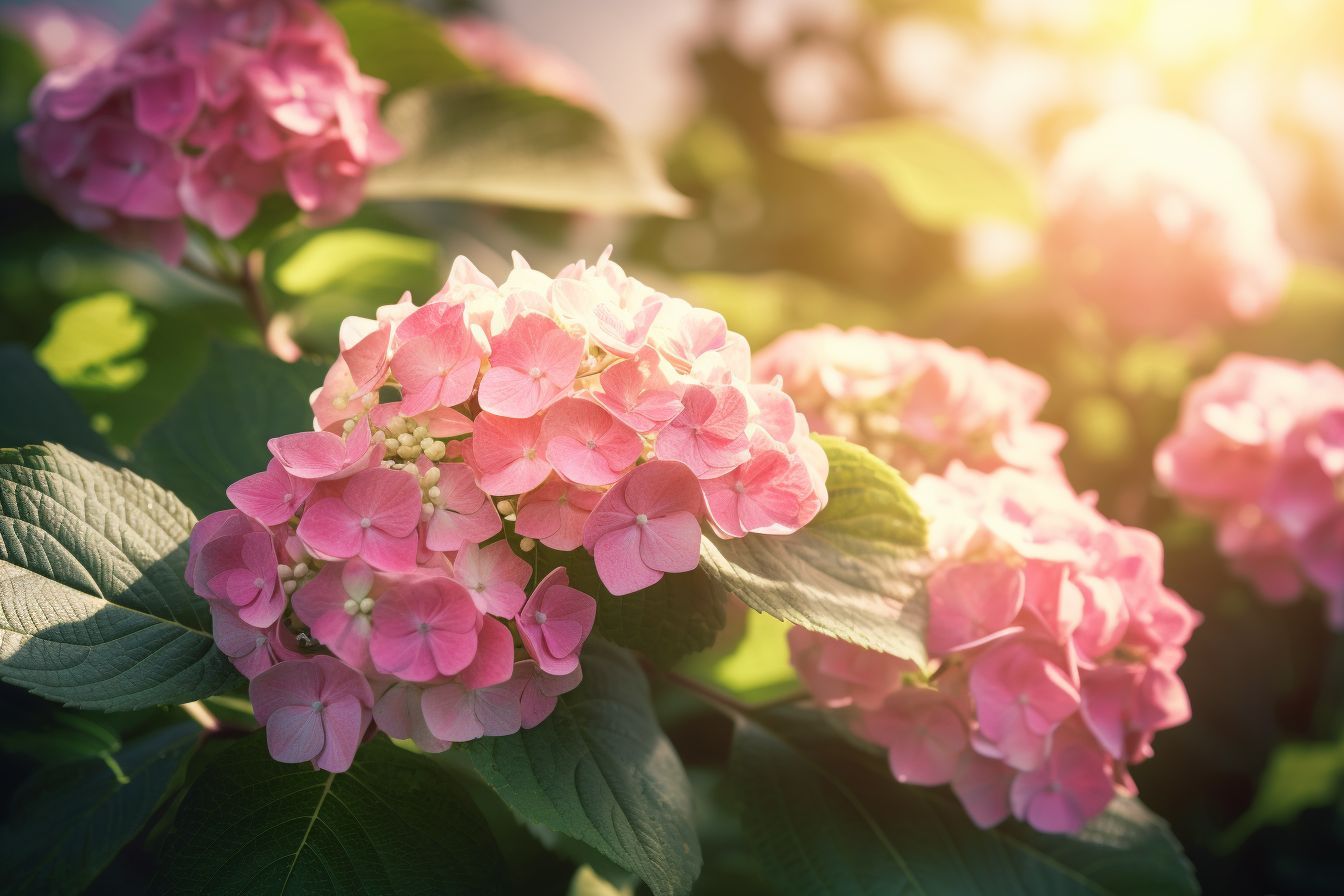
{"x":61,"y":37}
{"x":917,"y":404}
{"x":315,"y":710}
{"x":1053,"y":655}
{"x":1259,"y":450}
{"x":397,"y":540}
{"x":1148,"y":184}
{"x":204,"y":108}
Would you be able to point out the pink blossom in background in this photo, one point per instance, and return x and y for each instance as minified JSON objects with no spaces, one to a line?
{"x":61,"y":37}
{"x":1147,"y":184}
{"x":1053,"y":654}
{"x":398,"y":539}
{"x":203,"y":109}
{"x":491,"y":46}
{"x":1259,"y":451}
{"x":919,"y":404}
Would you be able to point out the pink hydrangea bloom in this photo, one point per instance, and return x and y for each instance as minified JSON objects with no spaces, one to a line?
{"x":1259,"y":450}
{"x":1150,"y":184}
{"x":204,"y":108}
{"x":397,"y":539}
{"x":315,"y":710}
{"x":1053,"y":654}
{"x":918,"y":404}
{"x":423,"y":629}
{"x":554,"y":513}
{"x":644,"y":526}
{"x":555,"y":622}
{"x":59,"y":37}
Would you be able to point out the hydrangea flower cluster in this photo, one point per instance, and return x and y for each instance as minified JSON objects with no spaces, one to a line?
{"x":203,"y":109}
{"x":1053,"y":654}
{"x":1146,"y":184}
{"x":1259,"y":449}
{"x":918,"y":404}
{"x":368,"y":576}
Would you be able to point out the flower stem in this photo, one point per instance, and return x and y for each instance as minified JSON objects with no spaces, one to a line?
{"x":202,"y":716}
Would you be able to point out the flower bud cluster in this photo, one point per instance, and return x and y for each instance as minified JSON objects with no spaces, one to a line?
{"x":1259,"y":450}
{"x":369,"y":574}
{"x":203,"y":109}
{"x":918,"y":404}
{"x":1053,"y":654}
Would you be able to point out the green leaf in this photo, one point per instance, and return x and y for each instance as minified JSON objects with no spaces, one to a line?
{"x":70,"y":820}
{"x":93,"y":342}
{"x":493,"y":143}
{"x":941,"y":179}
{"x":59,"y":737}
{"x":825,"y":818}
{"x":403,"y":47}
{"x":34,"y":409}
{"x":855,"y":572}
{"x":753,"y":667}
{"x":94,"y":611}
{"x":321,"y":278}
{"x":1300,"y":776}
{"x":393,"y":823}
{"x":217,"y":432}
{"x":679,"y":615}
{"x":600,"y":770}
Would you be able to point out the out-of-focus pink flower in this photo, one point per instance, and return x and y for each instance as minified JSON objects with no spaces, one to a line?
{"x":646,"y":525}
{"x":314,"y":710}
{"x":61,"y":37}
{"x":202,"y":110}
{"x":917,"y":404}
{"x":1147,"y":184}
{"x":1259,"y":450}
{"x":493,"y":47}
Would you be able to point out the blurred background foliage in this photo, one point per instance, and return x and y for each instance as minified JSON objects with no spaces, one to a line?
{"x":859,"y":163}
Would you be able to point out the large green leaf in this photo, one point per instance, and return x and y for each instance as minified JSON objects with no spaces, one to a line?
{"x":94,"y":610}
{"x":481,"y":141}
{"x":394,"y":823}
{"x":600,"y":770}
{"x":217,"y":432}
{"x":403,"y":47}
{"x":35,"y":409}
{"x":854,"y":572}
{"x":941,"y":179}
{"x":68,"y":821}
{"x":679,"y":615}
{"x":825,"y":818}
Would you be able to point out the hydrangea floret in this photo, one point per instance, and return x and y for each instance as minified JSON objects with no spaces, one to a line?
{"x":204,"y":108}
{"x":384,"y":571}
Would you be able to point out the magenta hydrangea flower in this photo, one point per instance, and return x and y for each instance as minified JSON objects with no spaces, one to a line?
{"x":201,"y":110}
{"x":374,"y":517}
{"x":397,"y":540}
{"x":646,"y":525}
{"x":423,"y":629}
{"x":1053,"y":654}
{"x":315,"y":710}
{"x":555,"y":622}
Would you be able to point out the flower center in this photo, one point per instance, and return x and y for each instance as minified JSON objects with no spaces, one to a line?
{"x":258,"y":582}
{"x":423,"y":628}
{"x":365,"y":522}
{"x":641,"y":519}
{"x":540,"y":617}
{"x":591,"y":444}
{"x":739,"y":487}
{"x":289,"y":496}
{"x":535,"y":373}
{"x":317,"y":706}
